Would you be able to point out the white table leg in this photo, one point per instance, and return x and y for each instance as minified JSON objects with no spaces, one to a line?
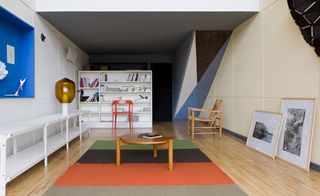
{"x":89,"y":123}
{"x":15,"y":145}
{"x":67,"y":133}
{"x":3,"y":180}
{"x":45,"y":144}
{"x":74,"y":122}
{"x":80,"y":128}
{"x":61,"y":127}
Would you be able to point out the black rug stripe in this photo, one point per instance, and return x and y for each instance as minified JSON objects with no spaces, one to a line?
{"x":143,"y":156}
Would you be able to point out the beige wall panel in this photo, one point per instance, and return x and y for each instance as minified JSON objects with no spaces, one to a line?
{"x":269,"y":60}
{"x":228,"y":114}
{"x":223,"y":85}
{"x":247,"y":59}
{"x":272,"y":104}
{"x":264,"y":4}
{"x":207,"y":104}
{"x":243,"y":111}
{"x":291,"y":66}
{"x":227,"y":108}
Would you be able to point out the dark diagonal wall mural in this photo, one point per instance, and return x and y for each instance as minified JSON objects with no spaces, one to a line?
{"x":208,"y":44}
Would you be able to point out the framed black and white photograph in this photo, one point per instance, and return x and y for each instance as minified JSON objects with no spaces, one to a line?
{"x":297,"y":131}
{"x":265,"y":131}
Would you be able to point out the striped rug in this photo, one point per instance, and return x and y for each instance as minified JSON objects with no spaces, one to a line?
{"x":95,"y":173}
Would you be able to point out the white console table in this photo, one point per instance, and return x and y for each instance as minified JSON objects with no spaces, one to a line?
{"x":19,"y":162}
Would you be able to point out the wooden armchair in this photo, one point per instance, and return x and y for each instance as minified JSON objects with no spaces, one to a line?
{"x":213,"y":122}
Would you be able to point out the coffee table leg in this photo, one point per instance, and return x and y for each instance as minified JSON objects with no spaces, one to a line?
{"x":118,"y":151}
{"x":155,"y":150}
{"x":170,"y":152}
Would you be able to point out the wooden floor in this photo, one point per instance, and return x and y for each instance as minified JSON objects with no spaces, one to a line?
{"x":255,"y":173}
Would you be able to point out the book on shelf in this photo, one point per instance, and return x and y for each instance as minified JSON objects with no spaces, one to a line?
{"x":150,"y":135}
{"x":86,"y":82}
{"x":92,"y":98}
{"x":139,"y":77}
{"x":95,"y":83}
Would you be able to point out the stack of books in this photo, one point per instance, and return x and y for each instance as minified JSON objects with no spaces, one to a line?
{"x":92,"y":98}
{"x":150,"y":135}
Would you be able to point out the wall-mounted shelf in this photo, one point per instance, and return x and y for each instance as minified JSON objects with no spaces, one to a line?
{"x":20,"y":161}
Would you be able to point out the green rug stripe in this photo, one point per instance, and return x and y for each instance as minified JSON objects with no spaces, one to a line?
{"x":208,"y":190}
{"x":110,"y":145}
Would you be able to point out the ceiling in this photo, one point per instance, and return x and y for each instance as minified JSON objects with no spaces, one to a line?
{"x":138,"y":32}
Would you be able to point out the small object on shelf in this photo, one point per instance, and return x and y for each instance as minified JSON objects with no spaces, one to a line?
{"x":134,"y":118}
{"x":84,"y":98}
{"x":3,"y":71}
{"x":150,"y":135}
{"x":143,"y":97}
{"x":16,"y":94}
{"x":146,"y":109}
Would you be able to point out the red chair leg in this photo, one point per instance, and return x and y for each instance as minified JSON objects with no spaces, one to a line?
{"x":130,"y":123}
{"x":112,"y":124}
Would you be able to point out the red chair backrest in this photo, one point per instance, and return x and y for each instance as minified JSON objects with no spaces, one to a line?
{"x":115,"y":104}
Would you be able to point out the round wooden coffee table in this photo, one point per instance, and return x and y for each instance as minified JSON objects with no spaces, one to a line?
{"x":164,"y":141}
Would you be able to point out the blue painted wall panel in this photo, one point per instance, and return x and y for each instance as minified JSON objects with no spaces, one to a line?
{"x":15,"y":32}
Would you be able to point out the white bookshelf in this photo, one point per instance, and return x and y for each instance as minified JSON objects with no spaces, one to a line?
{"x":135,"y":85}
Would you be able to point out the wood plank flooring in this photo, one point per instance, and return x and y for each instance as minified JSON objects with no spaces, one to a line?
{"x":255,"y":173}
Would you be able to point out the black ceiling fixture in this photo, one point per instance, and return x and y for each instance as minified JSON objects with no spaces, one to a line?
{"x":306,"y":14}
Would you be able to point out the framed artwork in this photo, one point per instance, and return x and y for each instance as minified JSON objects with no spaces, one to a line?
{"x":265,"y":131}
{"x":297,"y":131}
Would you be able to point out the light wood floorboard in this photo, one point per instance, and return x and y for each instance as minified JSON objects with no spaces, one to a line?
{"x":255,"y":173}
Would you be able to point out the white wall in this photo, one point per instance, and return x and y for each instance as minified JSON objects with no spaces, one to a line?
{"x":267,"y":59}
{"x":50,"y":66}
{"x":184,"y":72}
{"x":147,"y":5}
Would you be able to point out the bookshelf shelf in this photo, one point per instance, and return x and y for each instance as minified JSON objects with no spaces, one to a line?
{"x":123,"y":82}
{"x":106,"y":86}
{"x":89,"y":88}
{"x":125,"y":92}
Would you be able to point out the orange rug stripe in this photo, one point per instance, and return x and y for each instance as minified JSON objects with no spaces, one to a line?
{"x":143,"y":175}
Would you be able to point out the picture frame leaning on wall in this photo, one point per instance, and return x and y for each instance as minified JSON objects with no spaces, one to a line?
{"x":265,"y":131}
{"x":297,"y":131}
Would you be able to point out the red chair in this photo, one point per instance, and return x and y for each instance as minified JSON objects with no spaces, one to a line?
{"x":116,"y":112}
